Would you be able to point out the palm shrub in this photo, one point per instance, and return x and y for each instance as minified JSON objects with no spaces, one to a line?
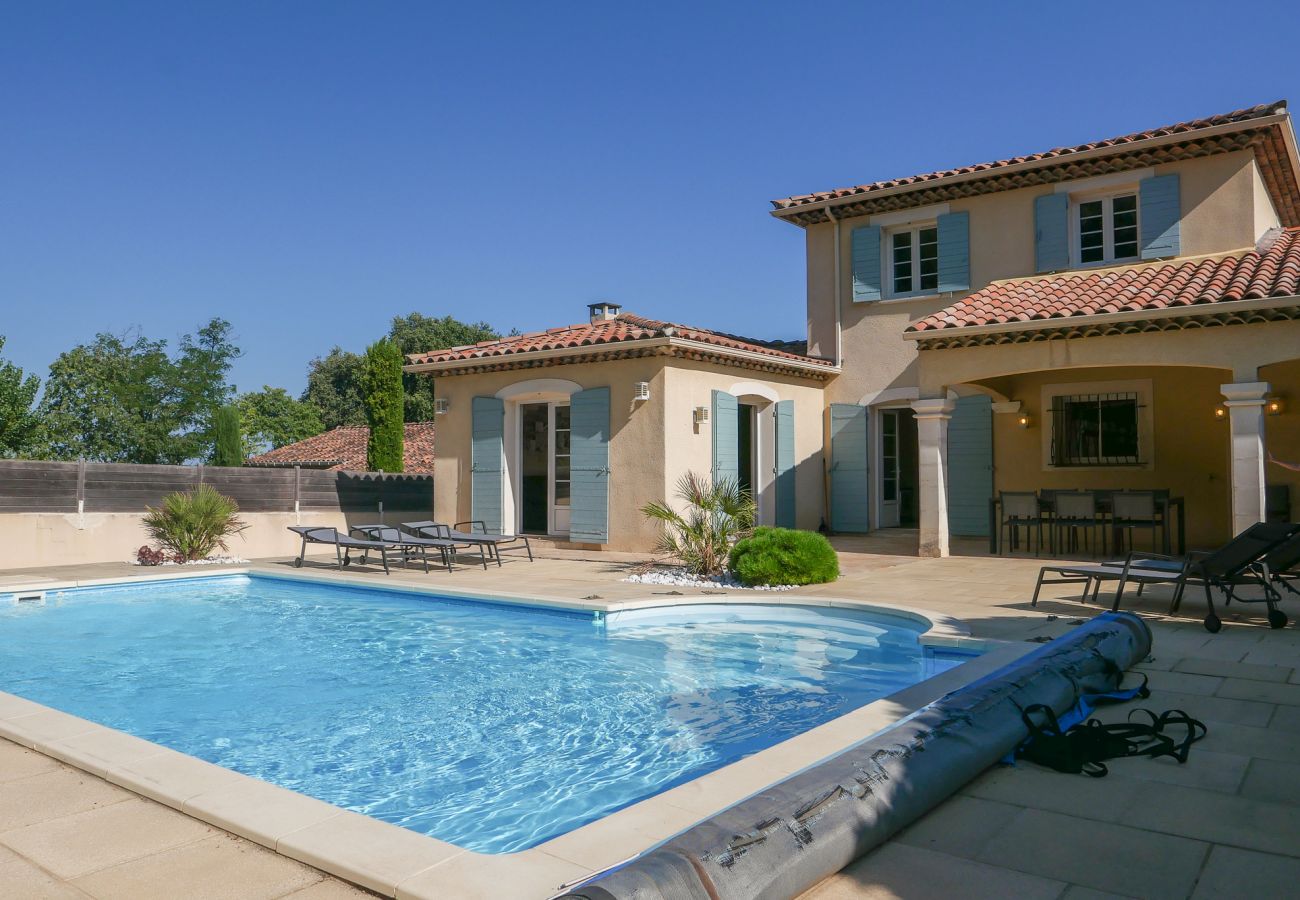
{"x":384,"y":400}
{"x":716,"y":516}
{"x":228,"y":445}
{"x":784,"y":556}
{"x":192,"y":525}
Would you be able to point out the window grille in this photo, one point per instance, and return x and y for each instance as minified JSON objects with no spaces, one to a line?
{"x":1096,"y":430}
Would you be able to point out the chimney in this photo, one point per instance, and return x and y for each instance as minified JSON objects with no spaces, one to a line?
{"x":602,"y":311}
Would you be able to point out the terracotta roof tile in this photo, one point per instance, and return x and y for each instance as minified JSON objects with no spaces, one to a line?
{"x":1235,"y":117}
{"x":345,"y":448}
{"x":624,"y":327}
{"x":1272,"y":271}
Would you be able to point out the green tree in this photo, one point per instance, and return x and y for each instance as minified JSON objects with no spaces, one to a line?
{"x":19,"y":423}
{"x":122,"y":398}
{"x":334,"y":388}
{"x":418,"y":333}
{"x":271,"y":418}
{"x":384,"y":399}
{"x":228,"y":442}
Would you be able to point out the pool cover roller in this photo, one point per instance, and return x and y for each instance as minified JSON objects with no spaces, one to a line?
{"x":785,"y":839}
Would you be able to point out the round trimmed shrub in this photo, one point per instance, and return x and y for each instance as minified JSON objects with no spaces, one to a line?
{"x":784,"y":556}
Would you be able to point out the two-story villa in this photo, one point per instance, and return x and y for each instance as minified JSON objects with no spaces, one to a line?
{"x":1121,"y":314}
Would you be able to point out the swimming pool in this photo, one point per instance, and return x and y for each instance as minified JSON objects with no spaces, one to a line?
{"x":488,"y":726}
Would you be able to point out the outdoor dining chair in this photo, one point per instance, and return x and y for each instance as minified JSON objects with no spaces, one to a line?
{"x":1131,"y":510}
{"x":1076,"y":513}
{"x":1020,"y":510}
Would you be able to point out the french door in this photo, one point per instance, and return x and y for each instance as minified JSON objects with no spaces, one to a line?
{"x":544,"y":468}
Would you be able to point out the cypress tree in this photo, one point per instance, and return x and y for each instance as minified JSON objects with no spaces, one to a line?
{"x":384,"y":399}
{"x":228,"y":444}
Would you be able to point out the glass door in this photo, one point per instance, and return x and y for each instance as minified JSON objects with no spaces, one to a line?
{"x":560,"y":470}
{"x":889,"y":513}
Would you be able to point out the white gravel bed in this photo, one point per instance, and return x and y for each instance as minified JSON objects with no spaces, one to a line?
{"x":210,"y":561}
{"x":677,"y":578}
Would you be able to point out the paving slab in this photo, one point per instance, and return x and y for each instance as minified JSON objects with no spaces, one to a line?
{"x":52,"y":794}
{"x":963,"y":826}
{"x":1210,"y":816}
{"x":1232,"y":872}
{"x":901,"y":871}
{"x":1200,"y":666}
{"x":1260,"y":691}
{"x":1107,"y":857}
{"x":218,"y":868}
{"x":1273,"y":781}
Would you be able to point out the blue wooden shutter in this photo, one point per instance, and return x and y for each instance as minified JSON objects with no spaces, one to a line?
{"x":954,"y":252}
{"x":1052,"y":232}
{"x":866,"y":263}
{"x":1159,"y":212}
{"x":850,"y":487}
{"x":970,"y":466}
{"x":589,"y":466}
{"x":488,"y":419}
{"x":785,"y":477}
{"x":726,"y":438}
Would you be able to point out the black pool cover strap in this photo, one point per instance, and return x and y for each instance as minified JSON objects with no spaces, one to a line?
{"x":787,"y":838}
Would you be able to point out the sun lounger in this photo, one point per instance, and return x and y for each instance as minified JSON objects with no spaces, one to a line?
{"x":410,"y":544}
{"x":494,"y":543}
{"x":1238,"y":563}
{"x":1283,"y":564}
{"x":343,"y":545}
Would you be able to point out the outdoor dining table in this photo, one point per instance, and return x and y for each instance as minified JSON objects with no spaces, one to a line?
{"x":1046,"y":505}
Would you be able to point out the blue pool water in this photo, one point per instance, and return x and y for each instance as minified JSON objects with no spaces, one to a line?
{"x":488,"y":726}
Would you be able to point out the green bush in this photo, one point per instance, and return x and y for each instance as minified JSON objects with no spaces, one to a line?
{"x":784,"y":556}
{"x":190,"y":526}
{"x":384,"y":401}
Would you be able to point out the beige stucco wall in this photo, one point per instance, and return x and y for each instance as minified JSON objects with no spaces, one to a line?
{"x":691,"y":384}
{"x":28,"y":540}
{"x":1188,"y":452}
{"x":636,"y":439}
{"x":1222,"y":211}
{"x":1282,"y":432}
{"x":652,"y":443}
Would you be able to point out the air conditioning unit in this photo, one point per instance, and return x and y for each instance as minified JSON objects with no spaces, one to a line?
{"x":641,"y":390}
{"x":440,"y":406}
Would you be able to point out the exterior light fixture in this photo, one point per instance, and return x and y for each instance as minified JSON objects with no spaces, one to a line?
{"x":1273,"y":406}
{"x":701,"y":415}
{"x":641,"y":390}
{"x":1024,"y":420}
{"x":440,"y":406}
{"x":1220,"y":413}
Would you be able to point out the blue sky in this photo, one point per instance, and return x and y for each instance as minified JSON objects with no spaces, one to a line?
{"x":308,"y":170}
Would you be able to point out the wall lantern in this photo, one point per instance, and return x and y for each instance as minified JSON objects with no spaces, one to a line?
{"x":641,"y":390}
{"x":1273,"y":406}
{"x":1220,"y":413}
{"x":440,"y":406}
{"x":700,"y":415}
{"x":1024,"y":420}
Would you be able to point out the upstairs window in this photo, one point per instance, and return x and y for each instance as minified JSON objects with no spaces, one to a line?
{"x":914,"y":260}
{"x":1106,"y":229}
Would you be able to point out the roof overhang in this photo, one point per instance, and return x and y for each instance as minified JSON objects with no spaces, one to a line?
{"x":1137,"y":321}
{"x":674,"y":347}
{"x":895,"y":197}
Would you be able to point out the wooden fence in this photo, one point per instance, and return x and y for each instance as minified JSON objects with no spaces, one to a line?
{"x":31,"y":486}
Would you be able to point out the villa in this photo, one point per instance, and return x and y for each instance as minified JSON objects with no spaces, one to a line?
{"x":1122,"y":314}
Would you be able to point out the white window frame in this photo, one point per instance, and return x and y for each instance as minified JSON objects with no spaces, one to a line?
{"x":1142,"y":387}
{"x":1107,"y":198}
{"x":887,"y":250}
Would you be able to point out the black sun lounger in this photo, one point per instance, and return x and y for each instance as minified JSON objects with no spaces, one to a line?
{"x":1240,"y":562}
{"x":343,"y":545}
{"x":410,"y":544}
{"x":494,"y":543}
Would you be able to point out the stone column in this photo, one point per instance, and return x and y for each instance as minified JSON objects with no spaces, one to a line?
{"x":932,"y":417}
{"x":1245,"y":403}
